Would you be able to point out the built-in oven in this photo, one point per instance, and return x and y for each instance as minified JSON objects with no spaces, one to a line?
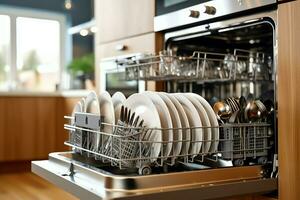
{"x":113,"y":77}
{"x":167,"y":6}
{"x":223,"y":50}
{"x":172,"y":14}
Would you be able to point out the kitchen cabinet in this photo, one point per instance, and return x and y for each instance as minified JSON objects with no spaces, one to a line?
{"x":146,"y":43}
{"x":118,"y":19}
{"x":32,"y":127}
{"x":125,"y":27}
{"x":250,"y":198}
{"x":289,"y":100}
{"x":139,"y":44}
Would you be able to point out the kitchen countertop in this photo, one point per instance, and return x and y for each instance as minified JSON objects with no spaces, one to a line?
{"x":64,"y":93}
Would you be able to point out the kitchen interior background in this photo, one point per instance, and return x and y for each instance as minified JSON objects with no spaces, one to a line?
{"x":41,"y":65}
{"x":46,"y":63}
{"x":39,"y":51}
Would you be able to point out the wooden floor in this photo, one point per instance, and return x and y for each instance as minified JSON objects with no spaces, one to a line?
{"x":28,"y":186}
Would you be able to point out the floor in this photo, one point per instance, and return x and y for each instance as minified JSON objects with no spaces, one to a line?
{"x":28,"y":186}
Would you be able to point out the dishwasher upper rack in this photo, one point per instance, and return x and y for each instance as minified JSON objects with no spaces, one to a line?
{"x":130,"y":150}
{"x":200,"y":66}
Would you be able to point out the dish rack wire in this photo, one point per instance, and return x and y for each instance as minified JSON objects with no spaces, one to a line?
{"x":129,"y":147}
{"x":200,"y":66}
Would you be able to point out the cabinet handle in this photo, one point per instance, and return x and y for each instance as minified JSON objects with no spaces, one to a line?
{"x":121,"y":47}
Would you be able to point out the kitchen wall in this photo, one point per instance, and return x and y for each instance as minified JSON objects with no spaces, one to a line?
{"x":82,"y":11}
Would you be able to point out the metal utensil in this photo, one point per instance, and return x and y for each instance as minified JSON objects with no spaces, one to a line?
{"x":125,"y":115}
{"x":222,"y":110}
{"x":243,"y":104}
{"x":122,"y":113}
{"x":253,"y":112}
{"x":131,"y":119}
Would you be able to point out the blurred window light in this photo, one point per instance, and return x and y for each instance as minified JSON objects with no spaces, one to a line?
{"x":4,"y":52}
{"x":38,"y":53}
{"x":68,"y":4}
{"x":33,"y":49}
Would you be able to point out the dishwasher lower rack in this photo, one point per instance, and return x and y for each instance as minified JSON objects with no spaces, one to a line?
{"x":68,"y":171}
{"x":130,"y":149}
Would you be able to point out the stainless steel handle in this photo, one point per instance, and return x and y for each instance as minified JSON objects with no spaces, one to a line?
{"x":121,"y":47}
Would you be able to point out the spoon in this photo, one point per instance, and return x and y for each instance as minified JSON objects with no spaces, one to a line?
{"x":253,"y":112}
{"x":222,"y":110}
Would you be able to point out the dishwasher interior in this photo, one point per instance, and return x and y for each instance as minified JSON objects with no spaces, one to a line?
{"x":222,"y":64}
{"x":227,"y":65}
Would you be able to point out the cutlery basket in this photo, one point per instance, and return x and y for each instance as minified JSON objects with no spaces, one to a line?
{"x":130,"y":148}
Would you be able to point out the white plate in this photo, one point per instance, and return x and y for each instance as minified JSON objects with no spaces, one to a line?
{"x":177,"y":132}
{"x":204,"y":119}
{"x":118,"y":98}
{"x":91,"y":105}
{"x":143,"y":107}
{"x":186,"y":133}
{"x":213,"y":121}
{"x":194,"y":121}
{"x":82,"y":101}
{"x":165,"y":121}
{"x":107,"y":113}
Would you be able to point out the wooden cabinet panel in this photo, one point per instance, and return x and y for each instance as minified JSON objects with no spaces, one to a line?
{"x":117,"y":19}
{"x":2,"y":127}
{"x":32,"y":127}
{"x":138,"y":44}
{"x":20,"y":125}
{"x":250,"y":197}
{"x":45,"y":127}
{"x":289,"y":100}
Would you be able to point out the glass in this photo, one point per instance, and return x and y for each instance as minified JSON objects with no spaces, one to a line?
{"x":168,"y":3}
{"x":4,"y":52}
{"x":38,"y":53}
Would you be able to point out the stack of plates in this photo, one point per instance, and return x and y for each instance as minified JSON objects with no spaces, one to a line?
{"x":108,"y":107}
{"x":182,"y":122}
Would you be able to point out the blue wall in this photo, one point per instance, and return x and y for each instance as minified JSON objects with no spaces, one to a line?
{"x":82,"y":11}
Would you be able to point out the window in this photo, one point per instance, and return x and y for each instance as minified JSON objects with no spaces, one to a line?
{"x":32,"y":49}
{"x":4,"y":52}
{"x":37,"y":53}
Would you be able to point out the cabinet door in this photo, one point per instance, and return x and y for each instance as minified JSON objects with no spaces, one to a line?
{"x":289,"y":100}
{"x":3,"y":116}
{"x":117,"y":19}
{"x":138,"y":44}
{"x":19,"y":136}
{"x":45,"y":126}
{"x":33,"y":127}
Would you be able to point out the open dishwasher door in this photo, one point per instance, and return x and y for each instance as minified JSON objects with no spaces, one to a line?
{"x":85,"y":181}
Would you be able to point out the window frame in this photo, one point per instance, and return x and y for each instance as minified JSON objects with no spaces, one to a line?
{"x":65,"y":47}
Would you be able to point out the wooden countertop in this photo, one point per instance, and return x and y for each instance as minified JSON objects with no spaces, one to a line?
{"x":65,"y":93}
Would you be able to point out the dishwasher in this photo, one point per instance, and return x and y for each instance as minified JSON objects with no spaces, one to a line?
{"x":228,"y":56}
